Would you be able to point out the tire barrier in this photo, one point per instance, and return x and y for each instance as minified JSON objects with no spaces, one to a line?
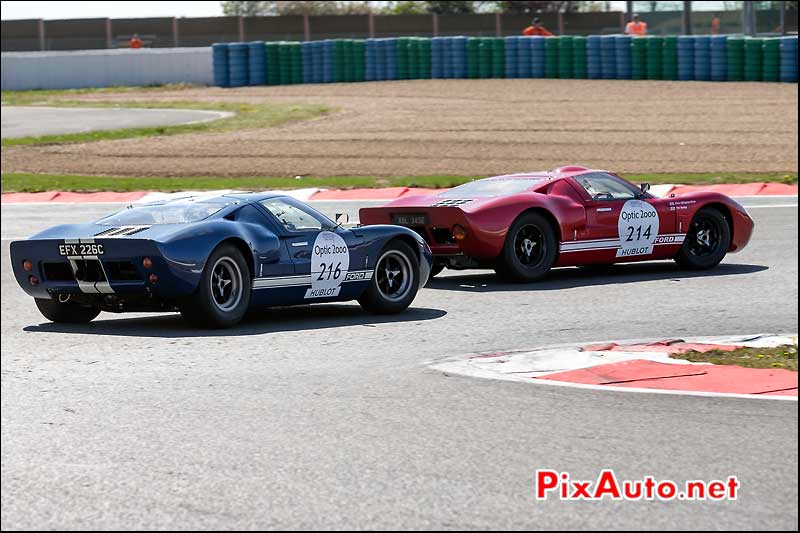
{"x":538,"y":57}
{"x":735,"y":48}
{"x":257,"y":63}
{"x":788,"y":51}
{"x":623,"y":50}
{"x":579,"y":57}
{"x":702,"y":58}
{"x":639,"y":58}
{"x":219,"y":53}
{"x":608,"y":57}
{"x":551,"y":58}
{"x":525,"y":57}
{"x":594,"y":61}
{"x":753,"y":53}
{"x":669,"y":58}
{"x":238,"y":64}
{"x":565,"y":56}
{"x":719,"y":58}
{"x":771,"y":60}
{"x":655,"y":51}
{"x":308,"y":62}
{"x":685,"y":58}
{"x":512,"y":56}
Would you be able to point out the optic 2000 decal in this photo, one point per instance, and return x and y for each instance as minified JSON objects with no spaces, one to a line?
{"x":638,"y":228}
{"x":330,"y":262}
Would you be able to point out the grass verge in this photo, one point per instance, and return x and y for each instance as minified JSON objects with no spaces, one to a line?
{"x":22,"y":182}
{"x":779,"y":357}
{"x":245,"y":116}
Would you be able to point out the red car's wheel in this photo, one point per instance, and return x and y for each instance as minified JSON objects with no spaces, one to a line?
{"x":707,"y":240}
{"x":530,"y":249}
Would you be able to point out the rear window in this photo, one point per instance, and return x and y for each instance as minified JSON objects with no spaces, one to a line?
{"x":169,"y":213}
{"x":491,"y":188}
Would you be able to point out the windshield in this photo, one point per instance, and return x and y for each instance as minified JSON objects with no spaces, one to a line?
{"x":491,"y":187}
{"x":170,"y":213}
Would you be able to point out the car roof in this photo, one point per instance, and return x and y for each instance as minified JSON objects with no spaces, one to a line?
{"x":255,"y":196}
{"x":556,"y":173}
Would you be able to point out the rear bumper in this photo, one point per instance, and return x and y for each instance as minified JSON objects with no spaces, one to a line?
{"x":118,"y":271}
{"x":480,"y":243}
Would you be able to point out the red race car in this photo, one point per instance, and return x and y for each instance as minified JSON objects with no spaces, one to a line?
{"x":522,"y":225}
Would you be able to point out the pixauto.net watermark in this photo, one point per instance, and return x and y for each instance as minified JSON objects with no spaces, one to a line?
{"x":552,"y":484}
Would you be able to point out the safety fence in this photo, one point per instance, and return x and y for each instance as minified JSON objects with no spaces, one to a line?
{"x":702,"y":58}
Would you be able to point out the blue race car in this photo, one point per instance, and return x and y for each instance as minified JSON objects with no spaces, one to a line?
{"x":215,"y":258}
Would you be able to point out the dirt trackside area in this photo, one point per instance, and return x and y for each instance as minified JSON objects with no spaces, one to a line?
{"x":460,"y":127}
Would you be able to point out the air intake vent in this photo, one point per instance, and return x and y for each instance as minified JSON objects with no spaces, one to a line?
{"x":123,"y":231}
{"x":450,"y":203}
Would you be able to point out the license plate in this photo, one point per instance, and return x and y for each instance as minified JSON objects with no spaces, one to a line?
{"x":80,"y":249}
{"x":411,"y":219}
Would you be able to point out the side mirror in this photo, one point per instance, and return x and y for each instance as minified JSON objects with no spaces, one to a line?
{"x":644,"y":187}
{"x":342,"y":219}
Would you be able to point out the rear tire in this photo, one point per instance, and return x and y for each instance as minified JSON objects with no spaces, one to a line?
{"x":223,"y":294}
{"x":707,"y":241}
{"x":395,"y":280}
{"x":67,"y":312}
{"x":530,"y":250}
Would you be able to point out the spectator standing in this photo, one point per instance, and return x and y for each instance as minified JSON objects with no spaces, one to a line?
{"x":536,"y":29}
{"x":715,"y":24}
{"x":135,"y":42}
{"x":636,"y":27}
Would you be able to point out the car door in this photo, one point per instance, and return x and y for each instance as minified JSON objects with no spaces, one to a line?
{"x":321,"y":252}
{"x":623,"y":224}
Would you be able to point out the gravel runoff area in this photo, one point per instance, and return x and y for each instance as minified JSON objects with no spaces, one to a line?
{"x":461,"y":127}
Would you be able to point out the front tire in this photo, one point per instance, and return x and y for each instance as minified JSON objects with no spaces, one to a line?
{"x":65,"y":312}
{"x":395,"y":280}
{"x":223,"y":295}
{"x":530,"y":249}
{"x":707,"y":241}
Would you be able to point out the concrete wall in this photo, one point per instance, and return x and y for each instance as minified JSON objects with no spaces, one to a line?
{"x":105,"y":68}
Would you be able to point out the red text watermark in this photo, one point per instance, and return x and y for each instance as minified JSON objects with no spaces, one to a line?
{"x":552,"y":484}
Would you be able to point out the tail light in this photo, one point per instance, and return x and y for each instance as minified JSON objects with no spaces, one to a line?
{"x":153,"y":279}
{"x":147,"y":263}
{"x":459,"y":233}
{"x":27,"y":265}
{"x":33,"y":280}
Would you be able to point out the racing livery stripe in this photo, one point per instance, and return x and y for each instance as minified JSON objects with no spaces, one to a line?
{"x":613,"y":244}
{"x":88,"y":287}
{"x":280,"y":282}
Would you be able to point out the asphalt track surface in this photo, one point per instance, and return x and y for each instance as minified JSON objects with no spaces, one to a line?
{"x":326,"y":417}
{"x":23,"y":121}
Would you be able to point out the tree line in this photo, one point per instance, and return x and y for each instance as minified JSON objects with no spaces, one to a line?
{"x":403,"y":7}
